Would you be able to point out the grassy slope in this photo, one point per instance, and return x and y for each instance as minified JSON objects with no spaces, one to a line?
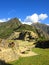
{"x":41,"y":59}
{"x":6,"y":28}
{"x":24,"y":27}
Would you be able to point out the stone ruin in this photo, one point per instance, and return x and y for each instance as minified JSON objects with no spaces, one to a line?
{"x":27,"y":36}
{"x":8,"y":51}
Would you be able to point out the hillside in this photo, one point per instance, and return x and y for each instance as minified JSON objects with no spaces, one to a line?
{"x":18,"y":40}
{"x":41,"y":29}
{"x":41,"y":26}
{"x":6,"y":28}
{"x":22,"y":29}
{"x":25,"y":27}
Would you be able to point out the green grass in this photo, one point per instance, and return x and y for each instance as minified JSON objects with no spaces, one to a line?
{"x":41,"y":59}
{"x":25,"y":27}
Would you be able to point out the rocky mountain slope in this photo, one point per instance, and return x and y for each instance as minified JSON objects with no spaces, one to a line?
{"x":14,"y":25}
{"x":41,"y":26}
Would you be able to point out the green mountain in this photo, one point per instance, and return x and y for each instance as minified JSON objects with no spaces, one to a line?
{"x":6,"y":28}
{"x":14,"y":25}
{"x":24,"y":27}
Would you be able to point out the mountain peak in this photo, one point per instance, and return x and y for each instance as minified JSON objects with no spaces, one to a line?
{"x":14,"y":19}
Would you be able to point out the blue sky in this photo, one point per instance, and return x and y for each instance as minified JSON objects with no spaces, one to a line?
{"x":23,"y":8}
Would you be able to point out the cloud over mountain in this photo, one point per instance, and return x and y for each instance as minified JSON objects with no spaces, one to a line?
{"x":34,"y":18}
{"x":4,"y":19}
{"x":43,"y":16}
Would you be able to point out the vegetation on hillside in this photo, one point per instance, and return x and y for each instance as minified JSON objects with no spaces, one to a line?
{"x":25,"y":27}
{"x":6,"y":28}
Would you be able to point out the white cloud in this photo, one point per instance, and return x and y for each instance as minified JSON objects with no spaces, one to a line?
{"x":20,"y":19}
{"x":34,"y":18}
{"x":47,"y":24}
{"x":8,"y":18}
{"x":4,"y":20}
{"x":29,"y":23}
{"x":43,"y":16}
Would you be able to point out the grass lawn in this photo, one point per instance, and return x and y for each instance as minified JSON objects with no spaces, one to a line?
{"x":41,"y":59}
